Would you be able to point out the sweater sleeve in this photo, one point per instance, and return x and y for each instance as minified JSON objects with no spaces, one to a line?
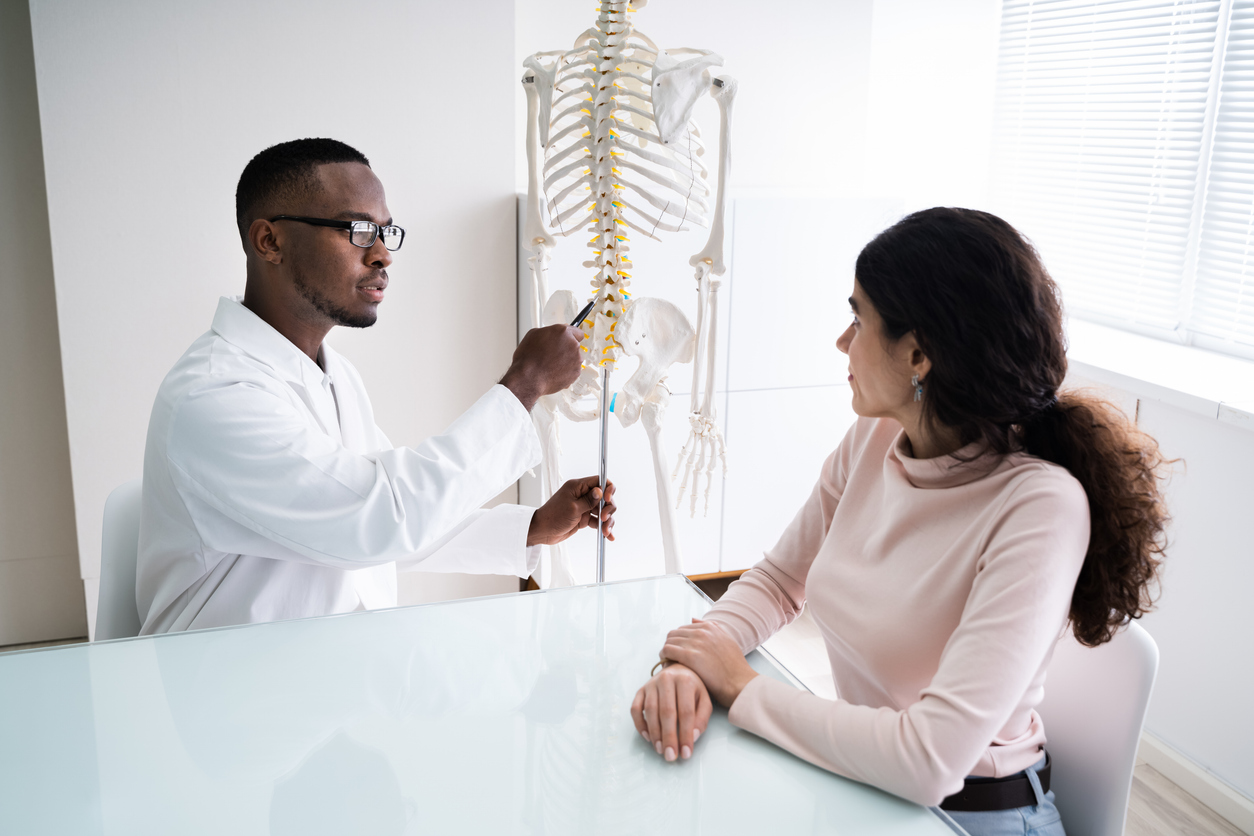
{"x":771,"y":594}
{"x":1013,"y":616}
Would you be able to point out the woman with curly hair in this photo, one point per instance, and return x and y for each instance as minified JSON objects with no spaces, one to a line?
{"x":971,"y":515}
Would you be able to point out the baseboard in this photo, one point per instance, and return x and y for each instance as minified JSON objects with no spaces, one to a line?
{"x":1205,"y":786}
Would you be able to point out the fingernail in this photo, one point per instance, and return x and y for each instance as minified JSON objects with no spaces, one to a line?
{"x":645,"y":735}
{"x":670,"y":754}
{"x":695,"y":734}
{"x":685,"y":753}
{"x":658,"y":747}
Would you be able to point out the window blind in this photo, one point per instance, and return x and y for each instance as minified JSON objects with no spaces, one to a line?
{"x":1223,"y":298}
{"x":1098,"y":132}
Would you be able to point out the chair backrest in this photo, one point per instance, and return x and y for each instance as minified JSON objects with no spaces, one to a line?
{"x":1093,"y":711}
{"x":117,"y":616}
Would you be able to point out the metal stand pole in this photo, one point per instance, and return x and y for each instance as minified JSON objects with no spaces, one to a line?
{"x":605,"y":417}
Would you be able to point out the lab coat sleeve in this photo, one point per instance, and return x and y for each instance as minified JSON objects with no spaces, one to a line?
{"x":491,"y":541}
{"x":245,"y":450}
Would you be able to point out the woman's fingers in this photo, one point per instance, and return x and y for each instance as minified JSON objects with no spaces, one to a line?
{"x":652,"y":719}
{"x":637,"y":714}
{"x":681,"y":652}
{"x":669,"y":709}
{"x":698,"y":630}
{"x":686,"y":699}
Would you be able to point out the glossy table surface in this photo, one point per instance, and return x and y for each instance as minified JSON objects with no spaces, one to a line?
{"x":494,"y":715}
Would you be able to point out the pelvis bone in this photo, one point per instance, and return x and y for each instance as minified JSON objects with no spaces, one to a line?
{"x":658,"y":333}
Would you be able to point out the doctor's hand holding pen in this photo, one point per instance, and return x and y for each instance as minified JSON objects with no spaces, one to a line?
{"x":546,"y":361}
{"x":572,"y":507}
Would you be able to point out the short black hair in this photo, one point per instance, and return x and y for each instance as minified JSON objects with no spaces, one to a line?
{"x":285,"y":170}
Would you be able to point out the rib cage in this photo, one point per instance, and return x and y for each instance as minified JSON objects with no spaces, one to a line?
{"x":676,"y":187}
{"x":606,"y":169}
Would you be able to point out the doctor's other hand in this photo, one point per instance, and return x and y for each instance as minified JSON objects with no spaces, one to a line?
{"x":572,"y":507}
{"x":672,"y":710}
{"x":546,"y":361}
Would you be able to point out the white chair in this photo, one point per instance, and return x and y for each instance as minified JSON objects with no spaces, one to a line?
{"x":117,"y":616}
{"x":1094,"y":709}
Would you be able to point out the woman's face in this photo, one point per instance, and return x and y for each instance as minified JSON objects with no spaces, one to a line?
{"x":879,"y":369}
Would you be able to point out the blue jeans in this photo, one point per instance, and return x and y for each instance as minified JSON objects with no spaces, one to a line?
{"x":1039,"y":819}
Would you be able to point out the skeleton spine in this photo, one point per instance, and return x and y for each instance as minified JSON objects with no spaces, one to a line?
{"x":610,"y":241}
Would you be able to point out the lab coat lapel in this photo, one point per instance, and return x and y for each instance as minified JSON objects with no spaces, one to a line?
{"x":356,"y":429}
{"x":315,"y":390}
{"x":244,"y":329}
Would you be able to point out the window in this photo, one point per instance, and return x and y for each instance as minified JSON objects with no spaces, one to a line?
{"x":1124,"y":147}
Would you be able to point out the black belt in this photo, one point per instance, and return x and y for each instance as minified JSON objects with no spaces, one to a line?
{"x":983,"y":794}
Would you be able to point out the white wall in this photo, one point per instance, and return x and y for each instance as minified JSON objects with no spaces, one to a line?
{"x":930,"y":118}
{"x":40,"y":595}
{"x":1201,"y":702}
{"x":150,"y":111}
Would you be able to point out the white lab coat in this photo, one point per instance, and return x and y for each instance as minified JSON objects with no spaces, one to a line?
{"x":269,"y":492}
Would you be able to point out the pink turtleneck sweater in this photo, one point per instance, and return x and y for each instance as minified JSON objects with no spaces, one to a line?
{"x":940,"y":588}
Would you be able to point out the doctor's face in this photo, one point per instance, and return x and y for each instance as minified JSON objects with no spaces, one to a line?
{"x":338,"y":280}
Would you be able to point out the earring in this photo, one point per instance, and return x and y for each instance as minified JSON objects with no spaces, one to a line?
{"x":918,"y":388}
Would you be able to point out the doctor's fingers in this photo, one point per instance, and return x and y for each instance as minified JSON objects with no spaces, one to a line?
{"x":606,"y":513}
{"x":590,"y":521}
{"x":588,"y":490}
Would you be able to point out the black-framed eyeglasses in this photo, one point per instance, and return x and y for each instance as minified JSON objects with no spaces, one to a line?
{"x":360,"y":233}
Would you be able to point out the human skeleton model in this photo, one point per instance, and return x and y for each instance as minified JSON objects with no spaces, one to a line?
{"x":611,"y":149}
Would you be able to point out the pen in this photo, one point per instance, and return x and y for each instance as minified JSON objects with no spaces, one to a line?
{"x":583,"y":313}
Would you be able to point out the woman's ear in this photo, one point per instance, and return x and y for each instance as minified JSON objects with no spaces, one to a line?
{"x":912,"y":354}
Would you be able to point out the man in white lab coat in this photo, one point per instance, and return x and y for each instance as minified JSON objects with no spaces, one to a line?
{"x":269,"y":492}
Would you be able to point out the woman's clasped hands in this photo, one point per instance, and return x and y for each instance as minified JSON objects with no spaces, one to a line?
{"x":672,"y":709}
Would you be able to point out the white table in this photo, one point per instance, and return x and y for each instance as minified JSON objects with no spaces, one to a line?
{"x":505,"y":715}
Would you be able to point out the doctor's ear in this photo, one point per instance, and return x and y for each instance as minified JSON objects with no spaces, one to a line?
{"x":263,"y":241}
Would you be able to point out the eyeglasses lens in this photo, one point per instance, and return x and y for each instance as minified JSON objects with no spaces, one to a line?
{"x":392,"y":237}
{"x":363,"y":233}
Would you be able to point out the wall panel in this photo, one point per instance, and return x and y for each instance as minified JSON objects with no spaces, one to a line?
{"x":39,"y":598}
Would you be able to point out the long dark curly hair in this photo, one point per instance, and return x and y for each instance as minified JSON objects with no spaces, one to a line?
{"x":989,"y":317}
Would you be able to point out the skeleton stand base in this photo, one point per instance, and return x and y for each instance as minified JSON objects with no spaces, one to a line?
{"x":605,"y":416}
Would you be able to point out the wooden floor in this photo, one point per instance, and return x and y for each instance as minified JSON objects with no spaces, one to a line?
{"x":1157,"y":807}
{"x":1160,"y":808}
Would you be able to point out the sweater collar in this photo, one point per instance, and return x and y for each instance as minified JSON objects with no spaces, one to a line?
{"x":972,"y":462}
